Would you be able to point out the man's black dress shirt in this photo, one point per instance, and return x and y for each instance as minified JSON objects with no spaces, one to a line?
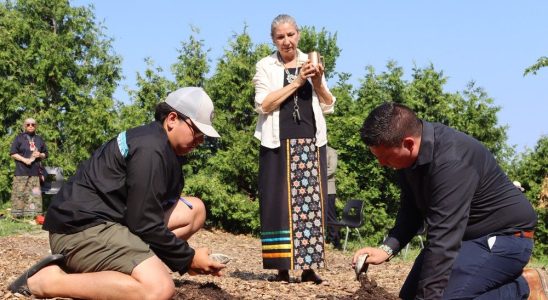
{"x":458,"y":188}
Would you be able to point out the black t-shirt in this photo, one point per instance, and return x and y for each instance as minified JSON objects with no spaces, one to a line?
{"x":305,"y":128}
{"x":24,"y":144}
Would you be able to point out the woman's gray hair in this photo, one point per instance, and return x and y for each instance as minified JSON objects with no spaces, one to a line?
{"x":282,"y":19}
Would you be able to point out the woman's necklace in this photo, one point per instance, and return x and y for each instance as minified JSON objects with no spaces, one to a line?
{"x":290,"y":79}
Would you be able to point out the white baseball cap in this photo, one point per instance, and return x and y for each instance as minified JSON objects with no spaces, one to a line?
{"x":194,"y":103}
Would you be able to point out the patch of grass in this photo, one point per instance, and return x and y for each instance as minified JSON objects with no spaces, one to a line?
{"x":538,"y":262}
{"x":12,"y":226}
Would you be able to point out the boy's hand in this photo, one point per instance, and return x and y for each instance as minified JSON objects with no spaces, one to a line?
{"x":203,"y":265}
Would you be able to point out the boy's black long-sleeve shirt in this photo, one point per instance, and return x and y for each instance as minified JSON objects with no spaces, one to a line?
{"x":458,"y":188}
{"x":129,"y":180}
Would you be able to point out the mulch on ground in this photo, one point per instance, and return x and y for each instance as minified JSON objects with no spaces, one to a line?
{"x":244,"y":277}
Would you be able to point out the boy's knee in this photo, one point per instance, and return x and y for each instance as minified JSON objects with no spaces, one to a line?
{"x":198,"y":211}
{"x":164,"y":289}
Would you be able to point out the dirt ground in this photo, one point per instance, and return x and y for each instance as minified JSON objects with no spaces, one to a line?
{"x":243,"y":278}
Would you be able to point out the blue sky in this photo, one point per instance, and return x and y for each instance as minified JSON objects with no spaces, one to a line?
{"x":489,"y":42}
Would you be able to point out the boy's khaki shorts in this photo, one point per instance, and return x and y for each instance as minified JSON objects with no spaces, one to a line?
{"x":104,"y":247}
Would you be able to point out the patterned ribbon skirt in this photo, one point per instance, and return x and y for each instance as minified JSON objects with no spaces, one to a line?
{"x":292,"y":187}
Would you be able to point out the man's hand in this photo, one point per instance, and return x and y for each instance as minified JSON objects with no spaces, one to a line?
{"x":375,"y":256}
{"x":203,"y":265}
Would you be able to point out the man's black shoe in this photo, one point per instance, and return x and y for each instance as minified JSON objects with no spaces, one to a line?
{"x":20,"y":286}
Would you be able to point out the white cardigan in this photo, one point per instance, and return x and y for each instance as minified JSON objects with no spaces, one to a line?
{"x":270,"y":77}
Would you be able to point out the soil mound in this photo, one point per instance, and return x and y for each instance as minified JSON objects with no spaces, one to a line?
{"x":370,"y":290}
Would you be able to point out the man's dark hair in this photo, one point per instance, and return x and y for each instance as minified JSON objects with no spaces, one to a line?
{"x":163,"y":109}
{"x":388,"y":124}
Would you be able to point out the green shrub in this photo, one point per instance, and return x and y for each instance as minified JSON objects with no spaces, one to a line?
{"x":233,"y":212}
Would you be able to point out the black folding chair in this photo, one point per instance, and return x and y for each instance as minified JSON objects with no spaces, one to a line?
{"x":53,"y":180}
{"x":352,"y":217}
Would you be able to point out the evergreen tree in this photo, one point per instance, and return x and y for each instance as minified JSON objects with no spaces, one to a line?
{"x":531,"y":170}
{"x":58,"y":67}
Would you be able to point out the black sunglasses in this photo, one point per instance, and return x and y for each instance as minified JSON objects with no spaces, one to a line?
{"x":197,"y":131}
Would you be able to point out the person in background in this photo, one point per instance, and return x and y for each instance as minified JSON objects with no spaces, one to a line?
{"x":120,"y":224}
{"x":28,"y":149}
{"x":332,"y":231}
{"x":480,"y":228}
{"x":291,"y":98}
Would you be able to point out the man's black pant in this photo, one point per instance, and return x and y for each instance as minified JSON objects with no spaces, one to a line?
{"x":332,"y":232}
{"x":486,"y":268}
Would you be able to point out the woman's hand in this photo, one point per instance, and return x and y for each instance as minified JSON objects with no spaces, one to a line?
{"x":317,"y":82}
{"x":317,"y":77}
{"x":308,"y":70}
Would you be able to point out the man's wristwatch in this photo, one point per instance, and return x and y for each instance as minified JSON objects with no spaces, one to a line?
{"x":388,"y":250}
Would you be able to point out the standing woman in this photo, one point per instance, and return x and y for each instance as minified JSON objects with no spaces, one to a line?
{"x":28,"y":149}
{"x":291,"y":96}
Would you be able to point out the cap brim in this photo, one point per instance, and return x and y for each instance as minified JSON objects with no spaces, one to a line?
{"x":207,"y":129}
